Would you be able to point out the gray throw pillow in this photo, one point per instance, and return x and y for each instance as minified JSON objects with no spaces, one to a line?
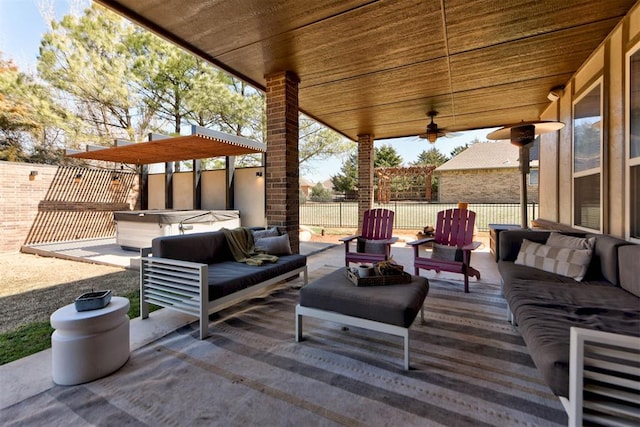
{"x":269,"y":232}
{"x":446,"y":253}
{"x":558,"y":240}
{"x":278,"y":245}
{"x":564,"y":261}
{"x":371,"y":246}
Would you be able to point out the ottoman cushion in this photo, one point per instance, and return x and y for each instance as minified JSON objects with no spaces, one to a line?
{"x":392,"y":304}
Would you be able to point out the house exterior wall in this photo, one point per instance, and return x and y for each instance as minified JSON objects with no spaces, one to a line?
{"x":482,"y":186}
{"x":607,"y":63}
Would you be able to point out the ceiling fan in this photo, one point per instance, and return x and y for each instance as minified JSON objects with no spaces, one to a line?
{"x":433,"y":132}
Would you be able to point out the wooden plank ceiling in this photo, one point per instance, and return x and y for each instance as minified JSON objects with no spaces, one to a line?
{"x":379,"y":66}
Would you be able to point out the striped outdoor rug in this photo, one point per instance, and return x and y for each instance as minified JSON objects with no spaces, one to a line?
{"x":469,"y":367}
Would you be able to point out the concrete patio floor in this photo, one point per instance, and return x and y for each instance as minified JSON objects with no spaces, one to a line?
{"x":31,"y":375}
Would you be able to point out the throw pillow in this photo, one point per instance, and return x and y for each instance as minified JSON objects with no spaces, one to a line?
{"x":269,"y":232}
{"x":371,"y":246}
{"x":278,"y":245}
{"x":564,"y":261}
{"x":446,"y":253}
{"x":558,"y":240}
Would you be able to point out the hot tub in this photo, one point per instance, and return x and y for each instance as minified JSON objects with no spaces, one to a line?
{"x":136,"y":229}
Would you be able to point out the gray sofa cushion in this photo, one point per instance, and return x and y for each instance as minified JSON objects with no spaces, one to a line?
{"x":395,"y":304}
{"x":605,"y":259}
{"x":546,"y":311}
{"x":205,"y":248}
{"x":227,"y":277}
{"x":629,"y":257}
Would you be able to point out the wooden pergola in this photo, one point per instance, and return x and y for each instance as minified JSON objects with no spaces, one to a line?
{"x":201,"y":144}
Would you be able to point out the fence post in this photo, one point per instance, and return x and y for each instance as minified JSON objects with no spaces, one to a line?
{"x":340,"y":204}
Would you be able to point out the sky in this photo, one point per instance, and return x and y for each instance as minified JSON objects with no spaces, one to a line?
{"x":22,"y":25}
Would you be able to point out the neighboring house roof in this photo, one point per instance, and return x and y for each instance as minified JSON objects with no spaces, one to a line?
{"x":485,"y":155}
{"x":304,"y":182}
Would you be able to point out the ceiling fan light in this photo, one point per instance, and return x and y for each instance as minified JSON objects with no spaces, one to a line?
{"x":432,"y":136}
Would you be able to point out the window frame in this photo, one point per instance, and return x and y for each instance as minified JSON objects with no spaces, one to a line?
{"x":598,"y":83}
{"x":629,"y":162}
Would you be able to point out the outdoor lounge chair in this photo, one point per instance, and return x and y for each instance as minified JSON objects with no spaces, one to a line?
{"x":452,"y":245}
{"x":374,"y":242}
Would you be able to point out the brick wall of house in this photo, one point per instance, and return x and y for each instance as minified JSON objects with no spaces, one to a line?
{"x":52,"y":207}
{"x":482,"y":186}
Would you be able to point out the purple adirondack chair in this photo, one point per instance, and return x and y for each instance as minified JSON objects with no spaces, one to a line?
{"x":374,"y":243}
{"x":452,"y":245}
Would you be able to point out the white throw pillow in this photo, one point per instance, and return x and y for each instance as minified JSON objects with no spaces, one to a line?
{"x":278,"y":245}
{"x":558,"y":240}
{"x":564,"y":261}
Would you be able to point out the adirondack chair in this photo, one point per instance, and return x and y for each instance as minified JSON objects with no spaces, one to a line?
{"x":451,"y":245}
{"x":374,"y":243}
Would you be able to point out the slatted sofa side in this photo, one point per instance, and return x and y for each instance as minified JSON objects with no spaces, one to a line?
{"x":604,"y":379}
{"x":174,"y":284}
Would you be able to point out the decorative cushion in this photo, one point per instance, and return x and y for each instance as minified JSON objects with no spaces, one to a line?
{"x":269,"y":232}
{"x":371,"y":246}
{"x":446,"y":253}
{"x":558,"y":240}
{"x":564,"y":261}
{"x":278,"y":245}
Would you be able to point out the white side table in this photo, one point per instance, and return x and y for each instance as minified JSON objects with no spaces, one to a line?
{"x":87,"y":345}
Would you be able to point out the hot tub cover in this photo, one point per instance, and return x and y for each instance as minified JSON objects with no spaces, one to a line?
{"x":169,"y":216}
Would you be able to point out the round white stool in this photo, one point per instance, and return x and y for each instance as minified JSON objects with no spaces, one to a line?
{"x":87,"y":345}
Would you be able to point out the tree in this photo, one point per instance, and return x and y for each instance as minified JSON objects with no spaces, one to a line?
{"x":348,"y":179}
{"x":320,"y":194}
{"x":31,"y":124}
{"x":461,"y":148}
{"x":14,"y":113}
{"x":386,"y":156}
{"x":88,"y":60}
{"x":318,"y":142}
{"x":431,"y":157}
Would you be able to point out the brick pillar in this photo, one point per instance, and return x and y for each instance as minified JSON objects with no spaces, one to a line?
{"x":365,"y":175}
{"x":282,"y":162}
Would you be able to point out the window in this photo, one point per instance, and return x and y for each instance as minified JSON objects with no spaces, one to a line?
{"x":633,"y":160}
{"x":587,"y":143}
{"x":533,"y":177}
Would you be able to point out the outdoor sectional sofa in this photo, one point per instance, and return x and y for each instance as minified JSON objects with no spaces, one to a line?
{"x":197,"y":274}
{"x":546,"y":306}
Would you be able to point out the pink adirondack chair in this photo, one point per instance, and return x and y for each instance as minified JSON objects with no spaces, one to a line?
{"x":374,"y":244}
{"x":452,"y":245}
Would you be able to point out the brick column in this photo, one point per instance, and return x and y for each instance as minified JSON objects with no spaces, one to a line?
{"x":282,"y":162}
{"x":365,"y":175}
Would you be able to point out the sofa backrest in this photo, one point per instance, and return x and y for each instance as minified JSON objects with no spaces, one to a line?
{"x":511,"y":240}
{"x":605,"y":257}
{"x":628,"y":259}
{"x":604,"y":263}
{"x":206,"y":248}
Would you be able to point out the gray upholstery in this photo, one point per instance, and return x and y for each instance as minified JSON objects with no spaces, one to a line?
{"x":225,"y":275}
{"x":629,"y":256}
{"x":545,"y":305}
{"x":546,"y":310}
{"x":393,"y":304}
{"x":605,"y":260}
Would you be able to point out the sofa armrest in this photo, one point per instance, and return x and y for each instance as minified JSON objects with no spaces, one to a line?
{"x":603,"y":378}
{"x":179,"y":285}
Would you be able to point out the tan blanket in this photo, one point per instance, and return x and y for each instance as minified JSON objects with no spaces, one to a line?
{"x":240,"y":241}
